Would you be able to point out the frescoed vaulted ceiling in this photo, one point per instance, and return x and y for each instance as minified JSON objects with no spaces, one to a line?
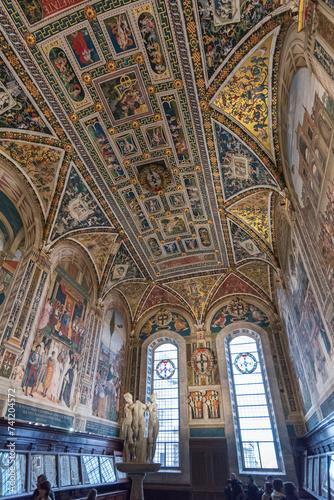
{"x":146,"y":132}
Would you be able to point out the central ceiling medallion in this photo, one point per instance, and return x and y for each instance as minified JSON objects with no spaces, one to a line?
{"x":154,"y":177}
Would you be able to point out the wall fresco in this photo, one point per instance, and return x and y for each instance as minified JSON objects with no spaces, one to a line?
{"x":309,"y":133}
{"x":110,"y":367}
{"x":51,"y":371}
{"x":78,"y":209}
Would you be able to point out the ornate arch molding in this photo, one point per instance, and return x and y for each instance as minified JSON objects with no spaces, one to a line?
{"x":21,"y":194}
{"x":292,"y":60}
{"x":245,"y":328}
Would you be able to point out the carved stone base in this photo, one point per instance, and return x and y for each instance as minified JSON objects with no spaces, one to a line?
{"x":137,"y":473}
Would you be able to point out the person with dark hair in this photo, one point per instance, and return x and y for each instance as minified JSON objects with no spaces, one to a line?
{"x":237,"y":490}
{"x":268,"y":489}
{"x":44,"y":491}
{"x":92,"y":495}
{"x":42,"y":479}
{"x":270,"y":479}
{"x":252,"y":489}
{"x":290,"y":491}
{"x":278,"y":493}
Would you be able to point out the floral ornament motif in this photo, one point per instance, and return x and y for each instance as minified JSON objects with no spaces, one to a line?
{"x":86,"y":77}
{"x":135,"y":124}
{"x":147,"y":156}
{"x":111,"y":66}
{"x":139,"y":58}
{"x":30,"y":39}
{"x":204,"y":105}
{"x":245,"y":362}
{"x":73,"y":117}
{"x":151,"y":89}
{"x":90,"y":13}
{"x":68,"y":147}
{"x":157,"y":117}
{"x":111,"y":130}
{"x":202,"y":361}
{"x":178,"y":83}
{"x":168,"y":152}
{"x":165,"y":369}
{"x":126,"y":163}
{"x":98,"y":106}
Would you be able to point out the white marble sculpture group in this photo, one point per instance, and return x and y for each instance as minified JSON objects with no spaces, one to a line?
{"x":138,"y":448}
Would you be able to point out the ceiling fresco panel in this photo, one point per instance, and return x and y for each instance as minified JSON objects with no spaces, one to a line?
{"x":78,"y":208}
{"x":123,"y":268}
{"x":253,"y":210}
{"x":245,"y":96}
{"x":132,"y":293}
{"x":239,"y":167}
{"x":259,"y":273}
{"x":233,"y":285}
{"x":195,"y":292}
{"x":158,"y":296}
{"x":222,"y":27}
{"x":40,"y":163}
{"x":244,"y":245}
{"x":147,"y":157}
{"x":99,"y":246}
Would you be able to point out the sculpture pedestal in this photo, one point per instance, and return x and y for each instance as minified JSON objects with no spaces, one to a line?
{"x":137,"y":473}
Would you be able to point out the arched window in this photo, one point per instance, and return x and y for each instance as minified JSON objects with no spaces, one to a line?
{"x":163,"y":379}
{"x":254,"y":420}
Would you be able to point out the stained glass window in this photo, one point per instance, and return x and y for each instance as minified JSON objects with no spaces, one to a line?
{"x":165,"y":368}
{"x":163,"y":379}
{"x":255,"y":426}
